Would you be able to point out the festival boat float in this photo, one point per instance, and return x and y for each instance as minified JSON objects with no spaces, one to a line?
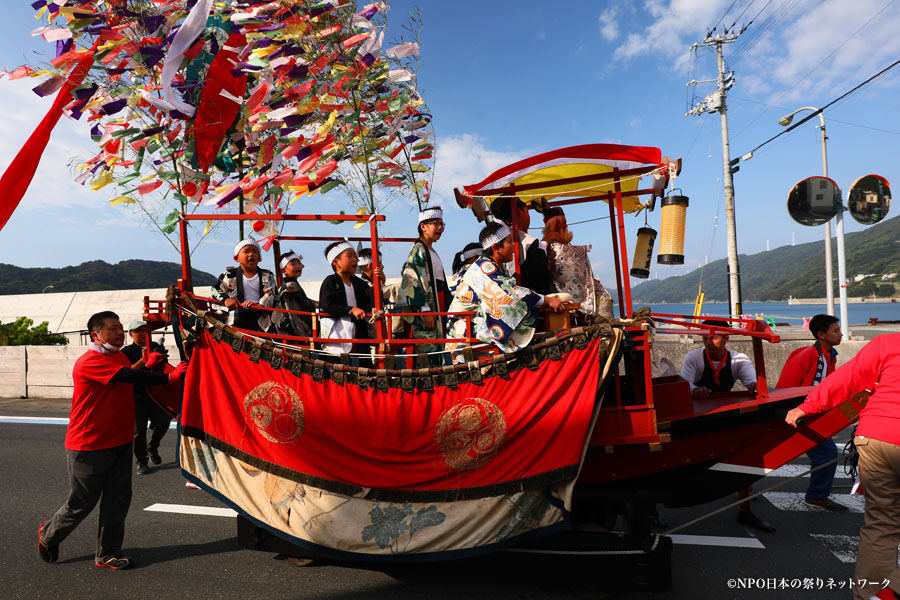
{"x":406,"y":461}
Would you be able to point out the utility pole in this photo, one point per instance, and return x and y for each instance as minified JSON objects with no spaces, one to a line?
{"x":716,"y":102}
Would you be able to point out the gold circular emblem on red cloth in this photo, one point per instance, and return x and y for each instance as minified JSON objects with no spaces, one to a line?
{"x":276,"y":411}
{"x":470,"y":433}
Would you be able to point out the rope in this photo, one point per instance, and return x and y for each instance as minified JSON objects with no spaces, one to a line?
{"x":748,"y":498}
{"x":656,"y":537}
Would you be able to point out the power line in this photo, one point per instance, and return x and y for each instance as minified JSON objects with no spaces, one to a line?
{"x":765,"y":27}
{"x":722,"y":18}
{"x":832,"y":103}
{"x":830,"y":119}
{"x":742,"y":13}
{"x":811,"y":71}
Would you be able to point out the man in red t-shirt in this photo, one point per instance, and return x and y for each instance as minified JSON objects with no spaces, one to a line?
{"x":809,"y":366}
{"x":98,"y":443}
{"x":876,"y":368}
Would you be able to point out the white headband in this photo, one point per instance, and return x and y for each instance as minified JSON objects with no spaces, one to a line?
{"x":496,"y":237}
{"x":432,"y":212}
{"x":365,"y":260}
{"x":247,"y":242}
{"x":471,"y":254}
{"x":337,"y":250}
{"x":288,"y":258}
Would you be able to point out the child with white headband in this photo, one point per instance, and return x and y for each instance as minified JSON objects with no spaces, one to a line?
{"x":291,"y":296}
{"x":345,"y":299}
{"x":246,"y":288}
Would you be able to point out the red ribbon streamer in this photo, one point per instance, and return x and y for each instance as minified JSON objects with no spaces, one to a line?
{"x":21,"y":170}
{"x":216,"y":113}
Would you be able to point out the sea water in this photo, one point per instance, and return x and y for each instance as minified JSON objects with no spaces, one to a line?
{"x":858,"y":314}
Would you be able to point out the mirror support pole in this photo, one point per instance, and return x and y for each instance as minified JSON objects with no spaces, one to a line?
{"x":829,"y":269}
{"x":842,"y":272}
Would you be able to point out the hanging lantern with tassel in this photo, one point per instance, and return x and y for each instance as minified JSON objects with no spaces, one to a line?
{"x":672,"y":221}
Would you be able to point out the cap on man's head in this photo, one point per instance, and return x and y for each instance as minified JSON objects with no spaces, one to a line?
{"x":246,"y":242}
{"x":136,"y":325}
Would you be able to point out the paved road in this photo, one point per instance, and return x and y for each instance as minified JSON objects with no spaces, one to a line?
{"x":196,"y":556}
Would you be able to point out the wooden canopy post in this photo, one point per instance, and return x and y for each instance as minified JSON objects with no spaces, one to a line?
{"x":376,"y":281}
{"x":623,"y":250}
{"x":188,"y":283}
{"x":276,"y":249}
{"x":615,"y":248}
{"x":514,"y":218}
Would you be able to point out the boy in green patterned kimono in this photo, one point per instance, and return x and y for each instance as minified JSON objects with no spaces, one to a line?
{"x":423,"y":287}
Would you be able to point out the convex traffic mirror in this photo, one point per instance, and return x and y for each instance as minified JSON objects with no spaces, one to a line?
{"x":814,"y":201}
{"x":869,"y":199}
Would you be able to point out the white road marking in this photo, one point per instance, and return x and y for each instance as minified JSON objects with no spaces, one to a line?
{"x":716,"y":540}
{"x":35,"y":420}
{"x":189,"y":509}
{"x":844,"y":547}
{"x":48,"y":420}
{"x":794,"y":501}
{"x":792,"y":470}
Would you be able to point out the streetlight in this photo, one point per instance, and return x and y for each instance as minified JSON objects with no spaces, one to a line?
{"x":49,"y":287}
{"x":829,"y":270}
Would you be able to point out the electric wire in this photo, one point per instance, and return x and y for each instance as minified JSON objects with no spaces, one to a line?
{"x":830,"y":104}
{"x":830,"y":119}
{"x":819,"y":64}
{"x":722,"y":18}
{"x":765,"y":27}
{"x":742,"y":14}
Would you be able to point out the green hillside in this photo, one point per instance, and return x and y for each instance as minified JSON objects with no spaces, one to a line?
{"x":797,"y":271}
{"x":95,"y":275}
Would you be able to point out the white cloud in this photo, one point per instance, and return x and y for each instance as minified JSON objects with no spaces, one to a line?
{"x":782,"y":45}
{"x":608,"y":23}
{"x":816,"y":34}
{"x":676,"y":25}
{"x":464,"y":159}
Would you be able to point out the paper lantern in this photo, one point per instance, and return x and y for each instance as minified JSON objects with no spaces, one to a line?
{"x":672,"y":220}
{"x":643,"y":253}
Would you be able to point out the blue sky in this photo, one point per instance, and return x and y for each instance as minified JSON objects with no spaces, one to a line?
{"x":506,"y":80}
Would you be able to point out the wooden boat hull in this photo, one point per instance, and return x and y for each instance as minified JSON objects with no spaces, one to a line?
{"x":708,"y":455}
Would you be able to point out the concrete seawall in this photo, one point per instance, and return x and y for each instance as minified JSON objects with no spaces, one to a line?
{"x":850,"y":300}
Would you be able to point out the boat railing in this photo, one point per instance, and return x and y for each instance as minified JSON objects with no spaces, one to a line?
{"x":389,"y":338}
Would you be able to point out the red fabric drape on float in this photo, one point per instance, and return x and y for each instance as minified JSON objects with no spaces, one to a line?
{"x":18,"y":175}
{"x":526,"y":429}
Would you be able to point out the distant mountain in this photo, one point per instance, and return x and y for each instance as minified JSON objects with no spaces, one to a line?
{"x":797,"y":271}
{"x":96,"y":275}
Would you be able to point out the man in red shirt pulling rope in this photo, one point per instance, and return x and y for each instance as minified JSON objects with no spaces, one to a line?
{"x":98,"y":443}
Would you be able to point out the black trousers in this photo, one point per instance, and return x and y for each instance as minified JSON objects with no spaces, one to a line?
{"x":145,"y":409}
{"x":95,"y":475}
